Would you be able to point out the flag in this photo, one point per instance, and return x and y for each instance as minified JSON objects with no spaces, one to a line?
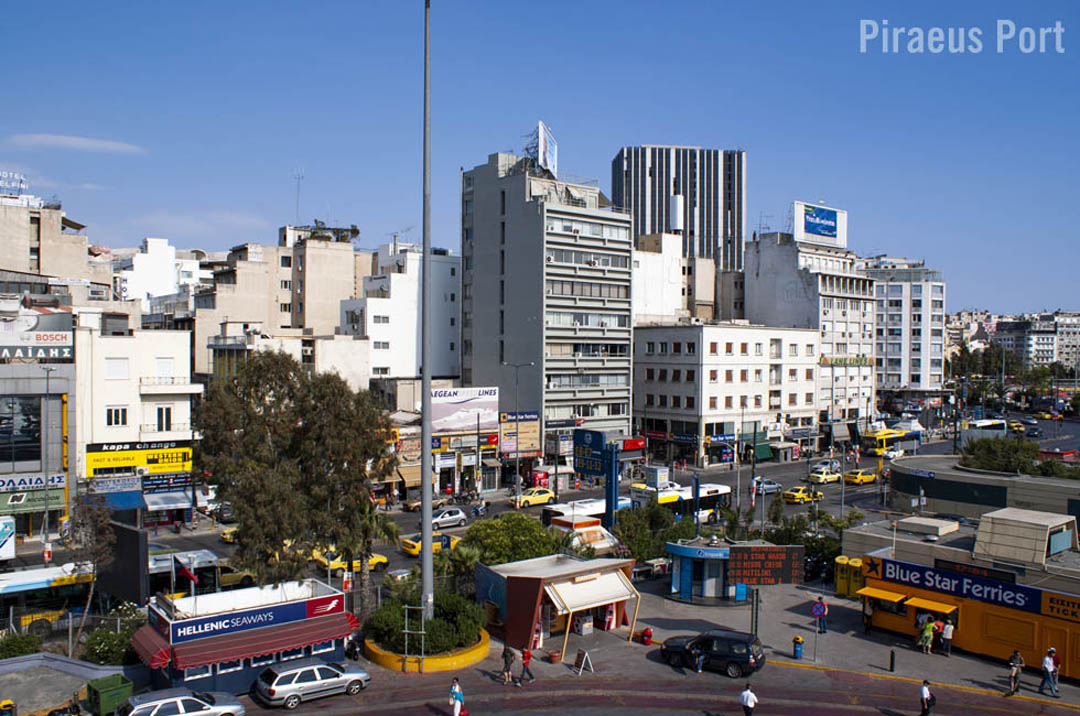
{"x":183,"y":570}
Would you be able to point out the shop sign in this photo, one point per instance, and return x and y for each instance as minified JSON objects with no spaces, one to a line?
{"x":633,"y":444}
{"x":766,"y":564}
{"x":22,"y":483}
{"x":946,"y":581}
{"x":589,"y":449}
{"x":696,"y":552}
{"x":684,"y":438}
{"x":14,"y":503}
{"x":1000,"y":575}
{"x":1062,"y":606}
{"x":7,"y":538}
{"x":115,"y":484}
{"x":527,"y":424}
{"x":724,"y":438}
{"x":446,"y":460}
{"x":153,"y":457}
{"x":655,"y":435}
{"x":408,"y":449}
{"x":165,"y":483}
{"x":839,"y":361}
{"x":561,"y":424}
{"x":245,"y":619}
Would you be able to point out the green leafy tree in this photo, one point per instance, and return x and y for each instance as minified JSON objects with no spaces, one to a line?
{"x":775,"y":509}
{"x":1001,"y":455}
{"x":645,"y":530}
{"x":374,"y":527}
{"x":509,"y":538}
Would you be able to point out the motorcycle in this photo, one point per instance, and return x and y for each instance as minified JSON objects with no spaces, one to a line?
{"x":480,"y":510}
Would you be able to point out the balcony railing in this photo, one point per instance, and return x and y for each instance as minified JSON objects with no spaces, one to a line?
{"x":170,"y":428}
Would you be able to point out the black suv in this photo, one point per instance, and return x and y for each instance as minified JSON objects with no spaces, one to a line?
{"x":735,"y":653}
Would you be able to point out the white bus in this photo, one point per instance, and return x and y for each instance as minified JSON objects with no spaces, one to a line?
{"x":712,"y":498}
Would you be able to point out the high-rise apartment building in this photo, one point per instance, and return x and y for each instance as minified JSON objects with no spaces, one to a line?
{"x":546,"y":281}
{"x":910,"y":331}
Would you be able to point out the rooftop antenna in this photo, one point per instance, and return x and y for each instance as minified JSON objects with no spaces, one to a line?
{"x":298,"y":175}
{"x":763,"y":225}
{"x":394,"y":238}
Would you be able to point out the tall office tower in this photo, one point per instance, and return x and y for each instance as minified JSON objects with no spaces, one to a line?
{"x":546,"y":280}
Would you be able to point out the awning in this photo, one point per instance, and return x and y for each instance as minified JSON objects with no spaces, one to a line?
{"x":882,"y":594}
{"x":259,"y":642}
{"x":491,"y":462}
{"x":123,"y":500}
{"x":410,"y":474}
{"x":840,"y":432}
{"x":930,"y":605}
{"x":762,"y":451}
{"x":176,"y":500}
{"x":151,"y":647}
{"x":586,"y":593}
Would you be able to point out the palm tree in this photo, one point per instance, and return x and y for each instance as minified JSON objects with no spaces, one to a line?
{"x":377,"y":526}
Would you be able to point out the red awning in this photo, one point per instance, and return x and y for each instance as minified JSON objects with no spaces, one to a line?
{"x":258,"y":642}
{"x":151,"y":647}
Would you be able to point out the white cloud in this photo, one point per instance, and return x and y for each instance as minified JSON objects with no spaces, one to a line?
{"x":78,"y":144}
{"x":197,"y":224}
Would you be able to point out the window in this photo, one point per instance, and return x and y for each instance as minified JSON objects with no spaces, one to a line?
{"x":690,"y":375}
{"x":757,"y":349}
{"x":650,"y":348}
{"x":809,"y":373}
{"x":290,"y":654}
{"x":712,"y":349}
{"x":729,"y":376}
{"x":380,"y":370}
{"x":262,"y":660}
{"x":793,"y":374}
{"x":792,"y":399}
{"x":453,"y":297}
{"x":729,"y":349}
{"x":115,"y":417}
{"x":757,"y":401}
{"x":809,"y":398}
{"x":689,"y":402}
{"x":675,"y":401}
{"x":691,"y":347}
{"x":325,"y":672}
{"x":676,"y":375}
{"x":663,"y":348}
{"x":386,"y":319}
{"x":453,"y":321}
{"x":757,"y":375}
{"x":164,"y":418}
{"x":743,"y":401}
{"x":502,"y":202}
{"x":382,"y":345}
{"x":793,"y":349}
{"x":224,"y":667}
{"x":322,"y":647}
{"x":286,"y":285}
{"x":744,"y":375}
{"x":307,"y":676}
{"x":713,"y":375}
{"x":168,"y":708}
{"x":649,"y":374}
{"x":286,"y":262}
{"x":712,"y":403}
{"x":663,"y":401}
{"x":451,"y":346}
{"x":648,"y":399}
{"x":663,"y":375}
{"x":285,"y":307}
{"x":116,"y":369}
{"x":197,"y":672}
{"x":676,"y":348}
{"x":727,"y":401}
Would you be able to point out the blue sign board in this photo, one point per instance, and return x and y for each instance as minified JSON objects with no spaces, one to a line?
{"x":991,"y":591}
{"x":929,"y":474}
{"x":589,"y":452}
{"x":245,"y":619}
{"x":819,"y":221}
{"x":725,"y":438}
{"x":689,"y":550}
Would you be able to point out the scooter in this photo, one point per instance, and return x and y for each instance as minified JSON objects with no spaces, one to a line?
{"x":480,"y":510}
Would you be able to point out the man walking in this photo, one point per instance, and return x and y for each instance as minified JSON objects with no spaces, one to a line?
{"x":946,"y":637}
{"x":1048,"y":674}
{"x":526,"y":658}
{"x":926,"y":699}
{"x":748,"y":700}
{"x":823,"y":610}
{"x":1016,"y":667}
{"x":508,"y":664}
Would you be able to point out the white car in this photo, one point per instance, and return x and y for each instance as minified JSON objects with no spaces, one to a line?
{"x":893,"y":453}
{"x":448,"y":517}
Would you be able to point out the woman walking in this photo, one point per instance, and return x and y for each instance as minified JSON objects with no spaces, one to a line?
{"x":1016,"y":667}
{"x":457,"y":699}
{"x":926,"y":638}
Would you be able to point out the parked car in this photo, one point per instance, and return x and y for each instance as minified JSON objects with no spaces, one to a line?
{"x":734,"y":653}
{"x":1034,"y":433}
{"x":766,"y":487}
{"x":411,"y":545}
{"x":1044,"y":415}
{"x":292,"y":682}
{"x":1028,"y":420}
{"x":802,"y":494}
{"x":228,"y":535}
{"x":224,"y":513}
{"x":232,"y":578}
{"x":832,"y":465}
{"x":179,"y":701}
{"x":823,"y":476}
{"x":448,"y":517}
{"x":415,"y":505}
{"x":860,"y":477}
{"x":535,"y":496}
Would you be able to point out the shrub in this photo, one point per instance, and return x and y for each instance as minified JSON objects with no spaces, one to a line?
{"x":104,"y":646}
{"x":457,"y":623}
{"x":15,"y":644}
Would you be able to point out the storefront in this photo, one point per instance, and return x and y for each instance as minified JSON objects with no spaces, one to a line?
{"x":720,"y":449}
{"x":23,"y":497}
{"x":163,"y":469}
{"x":706,"y":570}
{"x":221,"y":641}
{"x":530,"y":601}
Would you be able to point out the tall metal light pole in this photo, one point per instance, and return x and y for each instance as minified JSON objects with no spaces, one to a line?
{"x":45,"y":448}
{"x":427,"y":572}
{"x":517,"y":426}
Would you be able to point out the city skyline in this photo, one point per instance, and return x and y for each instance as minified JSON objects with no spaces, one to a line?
{"x":196,"y":135}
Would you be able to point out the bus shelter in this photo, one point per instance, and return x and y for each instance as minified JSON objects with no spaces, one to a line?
{"x":221,"y":641}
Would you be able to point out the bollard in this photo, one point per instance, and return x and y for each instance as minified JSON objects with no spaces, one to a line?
{"x":892,"y":659}
{"x":797,"y":647}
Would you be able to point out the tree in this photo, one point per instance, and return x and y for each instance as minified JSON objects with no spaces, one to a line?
{"x":92,"y":540}
{"x":775,"y":509}
{"x":1001,"y":455}
{"x":508,"y":538}
{"x":645,"y":530}
{"x":374,"y":526}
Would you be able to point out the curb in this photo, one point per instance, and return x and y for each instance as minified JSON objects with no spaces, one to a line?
{"x":912,"y":680}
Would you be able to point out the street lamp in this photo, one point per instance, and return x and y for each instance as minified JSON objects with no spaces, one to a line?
{"x":517,"y":426}
{"x":45,"y":447}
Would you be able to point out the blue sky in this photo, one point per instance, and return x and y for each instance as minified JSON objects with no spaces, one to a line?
{"x":205,"y":110}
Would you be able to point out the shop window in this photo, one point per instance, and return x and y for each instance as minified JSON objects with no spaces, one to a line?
{"x":891,"y":607}
{"x":262,"y":660}
{"x":322,"y":648}
{"x":226,"y":667}
{"x":197,"y":672}
{"x":291,"y":654}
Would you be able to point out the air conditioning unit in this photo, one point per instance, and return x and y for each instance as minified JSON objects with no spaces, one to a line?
{"x":140,"y":471}
{"x":549,"y":259}
{"x":576,"y":231}
{"x":593,"y":262}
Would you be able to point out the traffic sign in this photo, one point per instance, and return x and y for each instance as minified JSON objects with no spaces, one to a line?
{"x":929,"y":474}
{"x":818,"y":610}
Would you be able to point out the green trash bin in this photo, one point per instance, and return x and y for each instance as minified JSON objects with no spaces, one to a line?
{"x":107,"y":693}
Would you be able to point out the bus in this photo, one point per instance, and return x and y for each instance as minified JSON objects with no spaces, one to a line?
{"x":977,"y":429}
{"x":580,"y":508}
{"x":879,"y":442}
{"x":41,"y":599}
{"x":712,"y":499}
{"x":213,"y":572}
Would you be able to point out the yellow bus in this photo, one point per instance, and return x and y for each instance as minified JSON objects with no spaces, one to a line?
{"x":879,"y":441}
{"x":42,"y":599}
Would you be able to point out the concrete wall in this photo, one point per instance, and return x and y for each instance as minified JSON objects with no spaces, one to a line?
{"x":659,"y":286}
{"x":348,"y":356}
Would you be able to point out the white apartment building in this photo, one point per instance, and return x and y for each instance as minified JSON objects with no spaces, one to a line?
{"x":388,"y":312}
{"x":158,"y":269}
{"x":133,"y":410}
{"x":1040,"y":339}
{"x":910,"y":331}
{"x":702,"y":389}
{"x":658,"y":275}
{"x":546,"y":287}
{"x":812,"y":284}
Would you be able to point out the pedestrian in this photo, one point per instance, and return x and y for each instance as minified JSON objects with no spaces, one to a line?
{"x":939,"y":627}
{"x":1048,"y":679}
{"x":457,"y":698}
{"x":1016,"y":667}
{"x":526,"y":657}
{"x":748,"y":700}
{"x":822,"y":621}
{"x":926,"y":637}
{"x":697,"y":651}
{"x":946,"y":636}
{"x":1057,"y":667}
{"x":926,"y":699}
{"x":508,"y":663}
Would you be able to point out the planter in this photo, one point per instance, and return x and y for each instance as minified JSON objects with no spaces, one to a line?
{"x":555,"y":656}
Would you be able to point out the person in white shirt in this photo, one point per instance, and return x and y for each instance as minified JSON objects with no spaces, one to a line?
{"x":748,"y":699}
{"x":946,"y":637}
{"x":1049,"y":668}
{"x":926,"y":699}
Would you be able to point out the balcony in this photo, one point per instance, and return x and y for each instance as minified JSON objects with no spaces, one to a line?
{"x":176,"y":431}
{"x":168,"y":385}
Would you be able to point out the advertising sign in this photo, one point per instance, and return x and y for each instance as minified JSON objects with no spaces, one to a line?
{"x":1000,"y":575}
{"x":7,"y":538}
{"x":38,"y":332}
{"x":165,"y":483}
{"x":245,"y":619}
{"x":766,"y":564}
{"x":527,"y":424}
{"x":547,"y":149}
{"x":589,"y":452}
{"x":819,"y":220}
{"x":820,"y":224}
{"x":654,"y":475}
{"x":101,"y":485}
{"x":460,"y":410}
{"x":155,"y":458}
{"x":12,"y":183}
{"x":946,"y":581}
{"x":23,"y":483}
{"x":566,"y":444}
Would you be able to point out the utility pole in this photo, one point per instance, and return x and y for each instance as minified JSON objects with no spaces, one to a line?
{"x":45,"y":456}
{"x":427,"y":566}
{"x":298,"y":176}
{"x":517,"y":426}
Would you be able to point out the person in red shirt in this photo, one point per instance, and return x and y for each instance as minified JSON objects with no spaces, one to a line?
{"x":526,"y":658}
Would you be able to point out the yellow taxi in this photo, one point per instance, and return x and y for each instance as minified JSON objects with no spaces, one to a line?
{"x":1043,"y":415}
{"x":823,"y":476}
{"x":860,"y":477}
{"x":1016,"y":426}
{"x":228,"y":535}
{"x":331,"y":559}
{"x":535,"y":496}
{"x":230,"y":577}
{"x":411,"y":545}
{"x":802,"y":494}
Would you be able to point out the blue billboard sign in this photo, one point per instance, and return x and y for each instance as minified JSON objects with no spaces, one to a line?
{"x":245,"y":619}
{"x":819,"y":221}
{"x":991,"y":591}
{"x":589,"y":452}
